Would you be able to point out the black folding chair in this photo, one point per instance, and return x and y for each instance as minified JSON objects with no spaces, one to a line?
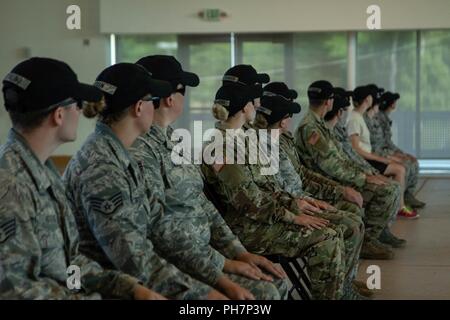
{"x":295,"y":270}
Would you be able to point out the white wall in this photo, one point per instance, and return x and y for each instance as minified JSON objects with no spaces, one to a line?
{"x":180,"y":16}
{"x":41,"y":27}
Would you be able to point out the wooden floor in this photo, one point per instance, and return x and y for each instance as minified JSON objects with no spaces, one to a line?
{"x":421,"y":270}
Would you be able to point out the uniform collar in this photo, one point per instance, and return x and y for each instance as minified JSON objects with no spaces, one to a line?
{"x":161,"y":135}
{"x":116,"y":145}
{"x":35,"y":168}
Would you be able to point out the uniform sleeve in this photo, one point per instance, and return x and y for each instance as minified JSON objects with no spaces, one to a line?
{"x":20,"y":252}
{"x":110,"y":283}
{"x":257,"y":204}
{"x":222,"y":238}
{"x":288,"y":178}
{"x":118,"y":222}
{"x":325,"y":155}
{"x":179,"y":242}
{"x":320,"y":186}
{"x":175,"y":239}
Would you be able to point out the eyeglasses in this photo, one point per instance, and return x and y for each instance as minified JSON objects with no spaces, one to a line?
{"x":155,"y":100}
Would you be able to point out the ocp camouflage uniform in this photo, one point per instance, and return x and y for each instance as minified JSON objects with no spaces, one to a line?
{"x":107,"y":190}
{"x":38,"y":234}
{"x":191,"y":234}
{"x":262,"y":215}
{"x":319,"y":151}
{"x":412,"y":167}
{"x":291,"y":182}
{"x":314,"y":183}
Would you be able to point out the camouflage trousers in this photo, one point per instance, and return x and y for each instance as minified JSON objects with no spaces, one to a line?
{"x":263,"y":290}
{"x":412,"y":175}
{"x":353,"y":236}
{"x":169,"y":281}
{"x":381,"y":204}
{"x":323,"y":249}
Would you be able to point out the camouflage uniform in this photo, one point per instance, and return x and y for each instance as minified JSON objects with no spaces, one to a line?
{"x":314,"y":183}
{"x":262,"y":215}
{"x":38,"y":234}
{"x":191,"y":234}
{"x":319,"y":151}
{"x":107,"y":190}
{"x":343,"y":142}
{"x":290,"y":180}
{"x":412,"y":167}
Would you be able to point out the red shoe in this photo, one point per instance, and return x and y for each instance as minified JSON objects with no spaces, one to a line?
{"x":407,"y":213}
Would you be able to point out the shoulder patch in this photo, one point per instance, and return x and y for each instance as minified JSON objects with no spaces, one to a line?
{"x":107,"y":206}
{"x":7,"y":229}
{"x":313,"y":138}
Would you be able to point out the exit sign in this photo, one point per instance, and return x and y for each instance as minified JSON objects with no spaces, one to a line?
{"x":213,"y":15}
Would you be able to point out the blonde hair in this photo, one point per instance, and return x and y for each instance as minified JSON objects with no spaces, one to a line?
{"x":261,"y":121}
{"x":220,"y":112}
{"x":93,"y":109}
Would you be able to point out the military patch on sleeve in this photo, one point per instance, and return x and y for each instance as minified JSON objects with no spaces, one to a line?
{"x":107,"y":206}
{"x":7,"y":229}
{"x":312,"y":140}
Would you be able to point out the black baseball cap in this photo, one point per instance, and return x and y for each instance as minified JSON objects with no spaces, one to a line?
{"x":42,"y":84}
{"x":343,"y":95}
{"x":387,"y":99}
{"x":124,"y":84}
{"x":376,"y":93}
{"x":320,"y":90}
{"x":168,"y":68}
{"x":245,"y":74}
{"x":341,"y":98}
{"x":233,"y":97}
{"x":280,"y":88}
{"x":341,"y":101}
{"x":362,"y":92}
{"x":276,"y":107}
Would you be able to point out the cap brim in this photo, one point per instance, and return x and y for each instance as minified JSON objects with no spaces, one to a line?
{"x":294,"y":107}
{"x":159,"y":88}
{"x":86,"y":92}
{"x":396,"y":96}
{"x":190,"y":79}
{"x":292,"y":94}
{"x":262,"y":78}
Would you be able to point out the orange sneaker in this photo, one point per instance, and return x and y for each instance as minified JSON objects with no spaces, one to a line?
{"x":407,"y":213}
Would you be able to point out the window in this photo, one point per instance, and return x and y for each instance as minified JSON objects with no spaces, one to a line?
{"x":388,"y":59}
{"x":131,"y":48}
{"x":414,"y":63}
{"x":435,"y":94}
{"x":318,"y":56}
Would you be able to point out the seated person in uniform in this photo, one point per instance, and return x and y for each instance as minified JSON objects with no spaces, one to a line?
{"x":388,"y":102}
{"x":266,"y":218}
{"x":316,"y":144}
{"x":106,"y":186}
{"x":192,"y":234}
{"x":336,"y":121}
{"x":363,"y":98}
{"x":275,"y":115}
{"x":39,"y":241}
